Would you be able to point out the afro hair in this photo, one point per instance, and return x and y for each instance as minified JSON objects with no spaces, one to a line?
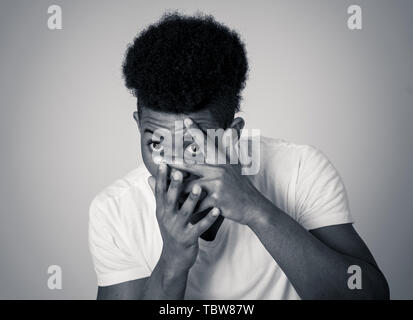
{"x":183,"y":64}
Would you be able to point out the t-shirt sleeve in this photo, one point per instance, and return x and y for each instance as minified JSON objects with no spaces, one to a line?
{"x":115,"y":257}
{"x":321,"y":198}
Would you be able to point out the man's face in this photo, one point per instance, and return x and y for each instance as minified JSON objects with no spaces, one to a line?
{"x":153,"y":123}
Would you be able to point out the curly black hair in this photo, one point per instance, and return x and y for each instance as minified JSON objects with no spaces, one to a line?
{"x":183,"y":64}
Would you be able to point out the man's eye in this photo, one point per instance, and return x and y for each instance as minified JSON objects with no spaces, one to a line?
{"x":193,"y":149}
{"x":156,"y":146}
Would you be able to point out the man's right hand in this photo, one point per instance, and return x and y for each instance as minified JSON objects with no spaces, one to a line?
{"x":180,"y":237}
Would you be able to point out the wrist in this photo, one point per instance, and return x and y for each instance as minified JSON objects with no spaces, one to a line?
{"x":172,"y":268}
{"x":172,"y":276}
{"x":166,"y":282}
{"x":261,"y":213}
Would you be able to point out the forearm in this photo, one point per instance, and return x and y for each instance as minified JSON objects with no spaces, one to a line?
{"x":166,"y":282}
{"x":315,"y":270}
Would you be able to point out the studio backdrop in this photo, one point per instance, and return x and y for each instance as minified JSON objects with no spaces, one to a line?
{"x":67,"y":131}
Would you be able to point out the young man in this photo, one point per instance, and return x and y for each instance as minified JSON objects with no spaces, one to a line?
{"x":203,"y":230}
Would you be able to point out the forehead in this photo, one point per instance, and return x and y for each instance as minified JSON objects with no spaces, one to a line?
{"x":151,"y":120}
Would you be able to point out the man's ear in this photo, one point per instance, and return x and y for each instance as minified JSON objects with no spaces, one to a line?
{"x":238,"y":124}
{"x":136,"y":117}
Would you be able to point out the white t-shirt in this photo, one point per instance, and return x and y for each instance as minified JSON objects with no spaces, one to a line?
{"x":126,"y":243}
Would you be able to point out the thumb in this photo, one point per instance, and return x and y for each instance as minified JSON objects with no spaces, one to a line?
{"x":151,"y":181}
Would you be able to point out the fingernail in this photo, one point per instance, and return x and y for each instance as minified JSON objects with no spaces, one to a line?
{"x":188,"y":122}
{"x":196,"y":190}
{"x":177,"y":175}
{"x":215,"y":212}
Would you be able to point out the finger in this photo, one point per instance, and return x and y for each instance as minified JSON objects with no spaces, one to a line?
{"x":152,"y":183}
{"x":195,"y":131}
{"x":203,"y":183}
{"x":161,"y":181}
{"x":205,"y":223}
{"x":194,"y":168}
{"x":174,"y":188}
{"x":207,"y":202}
{"x":206,"y":142}
{"x":191,"y":201}
{"x":172,"y":172}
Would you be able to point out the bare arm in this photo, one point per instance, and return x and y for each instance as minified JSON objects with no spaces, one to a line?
{"x":180,"y":243}
{"x":164,"y":283}
{"x":316,"y":262}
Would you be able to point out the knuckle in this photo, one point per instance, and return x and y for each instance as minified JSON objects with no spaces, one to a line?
{"x":205,"y":222}
{"x":173,"y":186}
{"x":158,"y":188}
{"x":185,"y":210}
{"x":193,"y":197}
{"x":210,"y":218}
{"x":218,"y":184}
{"x":176,"y":181}
{"x":163,"y":220}
{"x":169,"y":204}
{"x":214,"y":196}
{"x":182,"y":209}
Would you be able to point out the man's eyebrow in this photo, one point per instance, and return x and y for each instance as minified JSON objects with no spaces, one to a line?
{"x":154,"y":136}
{"x":151,"y":132}
{"x":202,"y":129}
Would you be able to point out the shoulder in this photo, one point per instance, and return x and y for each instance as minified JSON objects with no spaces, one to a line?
{"x":300,"y":162}
{"x":123,"y":237}
{"x":135,"y":179}
{"x":286,"y":147}
{"x":122,"y":197}
{"x":277,"y":153}
{"x":304,"y":182}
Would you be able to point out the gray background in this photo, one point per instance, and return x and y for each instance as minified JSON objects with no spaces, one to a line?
{"x":67,"y":129}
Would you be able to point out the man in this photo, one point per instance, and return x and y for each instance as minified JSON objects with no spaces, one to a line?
{"x":203,"y":230}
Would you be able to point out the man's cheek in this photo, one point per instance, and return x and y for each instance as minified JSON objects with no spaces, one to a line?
{"x":149,"y":163}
